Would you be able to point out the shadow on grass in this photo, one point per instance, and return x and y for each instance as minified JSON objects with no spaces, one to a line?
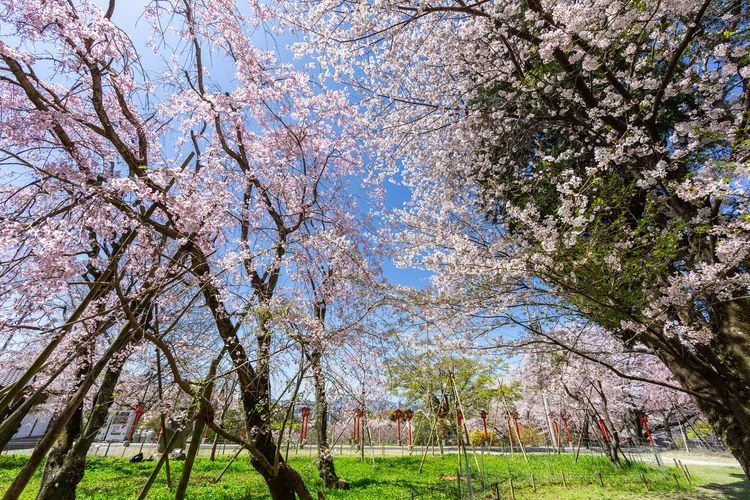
{"x":738,"y":487}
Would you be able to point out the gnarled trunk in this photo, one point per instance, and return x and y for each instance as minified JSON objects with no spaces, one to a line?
{"x":326,"y":469}
{"x":284,"y":483}
{"x":726,"y":403}
{"x":66,"y":463}
{"x":720,"y":373}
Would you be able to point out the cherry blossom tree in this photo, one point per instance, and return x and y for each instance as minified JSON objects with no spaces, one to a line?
{"x":339,"y":272}
{"x":593,"y":152}
{"x":578,"y":371}
{"x":233,"y":176}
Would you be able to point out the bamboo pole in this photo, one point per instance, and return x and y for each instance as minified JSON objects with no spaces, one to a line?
{"x":518,"y":434}
{"x":460,"y":438}
{"x":429,"y":441}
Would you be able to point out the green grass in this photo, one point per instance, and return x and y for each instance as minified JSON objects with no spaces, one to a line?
{"x":389,"y":478}
{"x":721,"y":482}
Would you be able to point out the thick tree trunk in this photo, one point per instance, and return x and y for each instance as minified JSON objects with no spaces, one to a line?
{"x":65,"y":467}
{"x":726,"y":405}
{"x":284,"y":483}
{"x":720,"y":373}
{"x":66,"y":462}
{"x":326,"y":468}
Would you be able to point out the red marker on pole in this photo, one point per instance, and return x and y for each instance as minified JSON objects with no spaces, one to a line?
{"x":644,"y":420}
{"x":567,"y":429}
{"x":139,"y":410}
{"x":557,"y":429}
{"x":603,"y":428}
{"x":483,"y":414}
{"x":441,"y":416}
{"x":358,"y":413}
{"x":398,"y":414}
{"x":305,"y":412}
{"x":409,"y":415}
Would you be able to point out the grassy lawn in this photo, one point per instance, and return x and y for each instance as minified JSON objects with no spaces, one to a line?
{"x":398,"y":477}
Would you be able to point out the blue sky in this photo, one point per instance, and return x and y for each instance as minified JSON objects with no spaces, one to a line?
{"x":128,"y":17}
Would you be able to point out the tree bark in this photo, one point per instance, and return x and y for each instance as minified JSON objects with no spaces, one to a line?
{"x":283,"y":483}
{"x":57,"y":427}
{"x":325,"y":465}
{"x":726,"y":404}
{"x":66,"y":463}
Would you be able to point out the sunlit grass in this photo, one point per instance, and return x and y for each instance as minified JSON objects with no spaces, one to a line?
{"x":389,"y":477}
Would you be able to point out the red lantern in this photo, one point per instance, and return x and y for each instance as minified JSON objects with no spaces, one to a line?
{"x":305,"y":412}
{"x":398,"y":414}
{"x":409,"y":415}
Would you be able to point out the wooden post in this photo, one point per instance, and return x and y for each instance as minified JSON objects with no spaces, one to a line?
{"x":512,"y":491}
{"x":645,"y":483}
{"x":565,"y":483}
{"x":684,"y":436}
{"x":459,"y":409}
{"x":580,"y":437}
{"x":676,"y":481}
{"x":687,"y":472}
{"x":155,"y":472}
{"x":533,"y":482}
{"x":601,"y":481}
{"x":496,"y":487}
{"x":553,"y":442}
{"x":429,"y":441}
{"x":218,"y":478}
{"x":372,"y":445}
{"x":161,"y":413}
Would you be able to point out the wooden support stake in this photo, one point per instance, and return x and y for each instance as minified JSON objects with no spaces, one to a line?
{"x":218,"y":478}
{"x":533,"y":482}
{"x":685,"y":470}
{"x":645,"y":483}
{"x":155,"y":472}
{"x":512,"y":490}
{"x":496,"y":487}
{"x":584,"y":427}
{"x":429,"y":441}
{"x":601,"y":481}
{"x":676,"y":481}
{"x":565,"y":483}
